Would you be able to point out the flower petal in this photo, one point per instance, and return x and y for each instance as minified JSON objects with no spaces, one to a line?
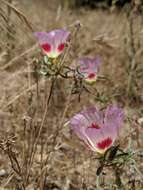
{"x":104,"y":144}
{"x":93,"y":116}
{"x":80,"y":122}
{"x":89,"y":65}
{"x":102,"y":138}
{"x":43,"y":38}
{"x":60,"y":36}
{"x":113,"y":116}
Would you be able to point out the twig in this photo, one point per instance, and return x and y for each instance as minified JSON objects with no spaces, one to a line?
{"x":19,"y":13}
{"x":12,"y":61}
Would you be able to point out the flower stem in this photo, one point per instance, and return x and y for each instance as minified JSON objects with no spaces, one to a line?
{"x":98,"y":182}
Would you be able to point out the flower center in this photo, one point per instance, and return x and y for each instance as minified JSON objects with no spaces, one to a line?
{"x":105,"y":143}
{"x":91,"y":75}
{"x":94,"y":125}
{"x":46,"y":47}
{"x":61,"y":47}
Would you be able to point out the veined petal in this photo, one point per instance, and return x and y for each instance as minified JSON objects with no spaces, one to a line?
{"x":114,"y":116}
{"x":93,"y":115}
{"x":102,"y":138}
{"x":89,"y":118}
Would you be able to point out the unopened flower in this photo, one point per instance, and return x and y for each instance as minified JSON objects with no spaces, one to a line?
{"x":98,"y":129}
{"x":89,"y":67}
{"x":53,"y":43}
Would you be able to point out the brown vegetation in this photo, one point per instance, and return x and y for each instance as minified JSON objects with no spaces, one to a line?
{"x":37,"y":150}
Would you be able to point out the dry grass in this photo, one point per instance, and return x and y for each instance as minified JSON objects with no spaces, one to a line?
{"x":37,"y":150}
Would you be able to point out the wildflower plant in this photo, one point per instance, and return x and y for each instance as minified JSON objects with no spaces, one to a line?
{"x":45,"y":105}
{"x":97,"y":129}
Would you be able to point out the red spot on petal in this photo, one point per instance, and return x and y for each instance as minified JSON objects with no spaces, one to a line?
{"x":61,"y":47}
{"x":94,"y":125}
{"x":91,"y":75}
{"x":105,"y":143}
{"x":46,"y":47}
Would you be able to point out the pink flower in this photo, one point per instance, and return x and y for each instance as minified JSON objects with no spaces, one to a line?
{"x":98,"y":129}
{"x":53,"y":43}
{"x":89,"y":67}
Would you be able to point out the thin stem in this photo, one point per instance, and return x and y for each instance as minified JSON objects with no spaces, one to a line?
{"x":98,"y":182}
{"x":40,"y":129}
